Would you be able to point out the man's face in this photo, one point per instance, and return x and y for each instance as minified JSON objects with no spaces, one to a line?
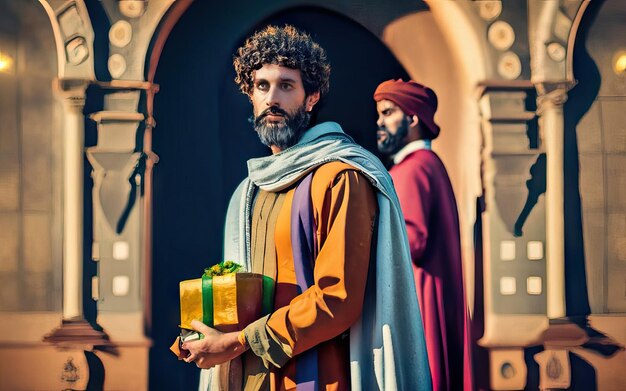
{"x":393,"y":127}
{"x":281,"y":107}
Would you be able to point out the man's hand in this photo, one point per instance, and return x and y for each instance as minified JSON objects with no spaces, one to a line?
{"x":215,"y":348}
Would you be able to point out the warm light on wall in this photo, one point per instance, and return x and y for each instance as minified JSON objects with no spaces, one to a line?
{"x":6,"y":63}
{"x":619,"y":62}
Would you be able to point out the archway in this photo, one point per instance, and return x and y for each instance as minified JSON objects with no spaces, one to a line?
{"x":204,"y":139}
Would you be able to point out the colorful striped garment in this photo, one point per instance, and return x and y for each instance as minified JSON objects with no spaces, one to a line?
{"x":312,"y":319}
{"x":386,"y":342}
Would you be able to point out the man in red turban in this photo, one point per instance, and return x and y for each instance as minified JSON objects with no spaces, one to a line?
{"x":406,"y":127}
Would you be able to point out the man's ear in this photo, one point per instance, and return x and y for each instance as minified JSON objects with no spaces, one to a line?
{"x":312,"y":100}
{"x":414,"y":121}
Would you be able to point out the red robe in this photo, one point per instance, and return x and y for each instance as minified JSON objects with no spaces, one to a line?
{"x":430,"y":211}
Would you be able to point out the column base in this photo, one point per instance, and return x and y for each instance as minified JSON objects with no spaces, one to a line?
{"x":562,"y":332}
{"x":78,"y":333}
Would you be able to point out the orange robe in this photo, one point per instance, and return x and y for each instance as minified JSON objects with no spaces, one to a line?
{"x":430,"y":212}
{"x":344,"y":211}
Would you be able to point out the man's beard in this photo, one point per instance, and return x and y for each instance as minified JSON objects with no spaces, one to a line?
{"x":393,"y":142}
{"x":283,"y":134}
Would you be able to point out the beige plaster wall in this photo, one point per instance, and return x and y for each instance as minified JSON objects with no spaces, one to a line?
{"x":40,"y":367}
{"x":28,"y":364}
{"x":429,"y":56}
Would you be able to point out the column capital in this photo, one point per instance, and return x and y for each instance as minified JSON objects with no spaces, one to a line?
{"x":71,"y":92}
{"x":551,"y":95}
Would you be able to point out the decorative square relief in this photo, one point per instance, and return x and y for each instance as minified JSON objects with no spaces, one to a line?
{"x":534,"y":250}
{"x":121,"y":250}
{"x":507,"y":250}
{"x":533,"y":285}
{"x":95,"y":288}
{"x":507,"y":286}
{"x":121,"y":285}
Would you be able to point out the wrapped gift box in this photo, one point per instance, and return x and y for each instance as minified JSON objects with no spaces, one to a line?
{"x":226,"y":303}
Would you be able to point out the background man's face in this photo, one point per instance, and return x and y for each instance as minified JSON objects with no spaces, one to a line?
{"x":280,"y":105}
{"x":393,"y":127}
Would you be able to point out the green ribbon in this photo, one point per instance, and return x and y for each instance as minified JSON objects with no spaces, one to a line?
{"x":207,"y":300}
{"x":268,"y":295}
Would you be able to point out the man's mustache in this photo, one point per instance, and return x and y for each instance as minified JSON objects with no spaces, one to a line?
{"x":273,"y":110}
{"x":382,"y":131}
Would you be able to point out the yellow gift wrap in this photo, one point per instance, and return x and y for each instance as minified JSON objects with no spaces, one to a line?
{"x":190,"y":302}
{"x":227,"y":303}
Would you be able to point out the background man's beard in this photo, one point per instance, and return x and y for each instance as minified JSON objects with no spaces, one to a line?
{"x":393,"y":142}
{"x":285,"y":134}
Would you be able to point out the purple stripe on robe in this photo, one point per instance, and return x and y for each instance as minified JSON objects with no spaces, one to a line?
{"x":304,"y":253}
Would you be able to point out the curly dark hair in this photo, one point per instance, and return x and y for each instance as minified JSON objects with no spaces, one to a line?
{"x":286,"y":46}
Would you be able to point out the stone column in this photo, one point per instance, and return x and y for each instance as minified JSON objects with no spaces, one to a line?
{"x":74,"y":328}
{"x":550,"y":100}
{"x":71,"y":93}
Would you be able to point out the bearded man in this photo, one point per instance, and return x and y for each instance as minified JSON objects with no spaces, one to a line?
{"x":320,"y":217}
{"x":406,"y":128}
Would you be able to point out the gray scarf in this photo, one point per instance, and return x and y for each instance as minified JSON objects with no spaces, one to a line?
{"x":387,"y":345}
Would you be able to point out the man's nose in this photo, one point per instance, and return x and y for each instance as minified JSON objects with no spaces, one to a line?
{"x":272,"y":97}
{"x":380,"y":122}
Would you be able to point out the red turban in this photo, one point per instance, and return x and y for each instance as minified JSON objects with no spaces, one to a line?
{"x":414,"y":99}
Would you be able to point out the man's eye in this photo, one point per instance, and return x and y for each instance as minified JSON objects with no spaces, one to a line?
{"x":262,"y":86}
{"x":285,"y":86}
